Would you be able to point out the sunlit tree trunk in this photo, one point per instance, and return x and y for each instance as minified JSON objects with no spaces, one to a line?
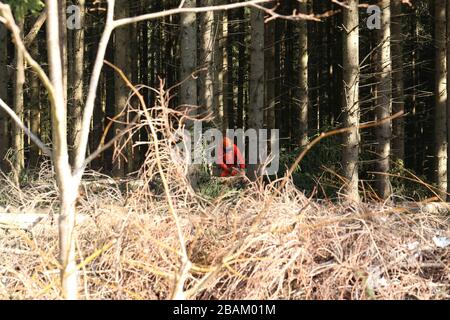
{"x":67,"y":185}
{"x":18,"y":139}
{"x":440,"y":114}
{"x":35,"y":107}
{"x":384,"y":102}
{"x":188,"y":53}
{"x":218,"y":68}
{"x":206,"y":87}
{"x":351,"y":70}
{"x":303,"y":99}
{"x":225,"y":80}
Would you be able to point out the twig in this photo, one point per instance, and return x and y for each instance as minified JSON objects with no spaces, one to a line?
{"x":27,"y":131}
{"x":186,"y":265}
{"x":295,"y":15}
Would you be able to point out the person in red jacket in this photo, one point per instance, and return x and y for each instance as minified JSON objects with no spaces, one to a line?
{"x":230,"y":159}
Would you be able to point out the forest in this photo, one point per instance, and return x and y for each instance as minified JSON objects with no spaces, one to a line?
{"x":224,"y":149}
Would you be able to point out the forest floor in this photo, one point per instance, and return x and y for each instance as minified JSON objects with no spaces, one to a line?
{"x":251,"y":243}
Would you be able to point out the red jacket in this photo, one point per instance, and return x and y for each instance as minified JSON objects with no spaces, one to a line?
{"x":230,"y":157}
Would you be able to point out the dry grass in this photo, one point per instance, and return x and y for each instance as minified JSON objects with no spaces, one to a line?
{"x":301,"y":250}
{"x":258,"y":243}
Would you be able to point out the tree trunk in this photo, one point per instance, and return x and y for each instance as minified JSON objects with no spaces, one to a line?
{"x":133,"y":61}
{"x":206,"y":87}
{"x":242,"y":68}
{"x":18,"y":139}
{"x":229,"y":92}
{"x":448,"y":100}
{"x":270,"y":98}
{"x":188,"y":48}
{"x":35,"y":107}
{"x":109,"y":105}
{"x":441,"y":98}
{"x":67,"y":185}
{"x":303,"y":78}
{"x":218,"y":69}
{"x":101,"y":98}
{"x":255,"y":110}
{"x":188,"y":54}
{"x":398,"y":104}
{"x":351,"y":70}
{"x":384,"y":102}
{"x":77,"y":82}
{"x":225,"y":80}
{"x":4,"y":132}
{"x":62,"y":16}
{"x":144,"y":79}
{"x":121,"y":56}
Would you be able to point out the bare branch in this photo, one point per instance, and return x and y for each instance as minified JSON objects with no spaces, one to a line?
{"x":27,"y":131}
{"x":29,"y":38}
{"x":295,"y":15}
{"x":156,"y":15}
{"x":342,"y":4}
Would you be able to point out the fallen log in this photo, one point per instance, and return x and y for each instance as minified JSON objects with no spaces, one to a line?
{"x":27,"y":221}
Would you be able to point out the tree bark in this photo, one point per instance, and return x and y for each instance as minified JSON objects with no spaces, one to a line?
{"x":229,"y":80}
{"x":242,"y":68}
{"x":270,"y":98}
{"x":218,"y":69}
{"x":206,"y":87}
{"x":440,"y":115}
{"x":255,"y":110}
{"x":188,"y":54}
{"x":384,"y":102}
{"x":350,"y":153}
{"x":225,"y":66}
{"x":35,"y":108}
{"x":109,"y":105}
{"x":18,"y":138}
{"x":77,"y":82}
{"x":4,"y":132}
{"x":303,"y":89}
{"x":121,"y":56}
{"x":398,"y":99}
{"x":448,"y":100}
{"x":62,"y":16}
{"x":188,"y":48}
{"x":144,"y":72}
